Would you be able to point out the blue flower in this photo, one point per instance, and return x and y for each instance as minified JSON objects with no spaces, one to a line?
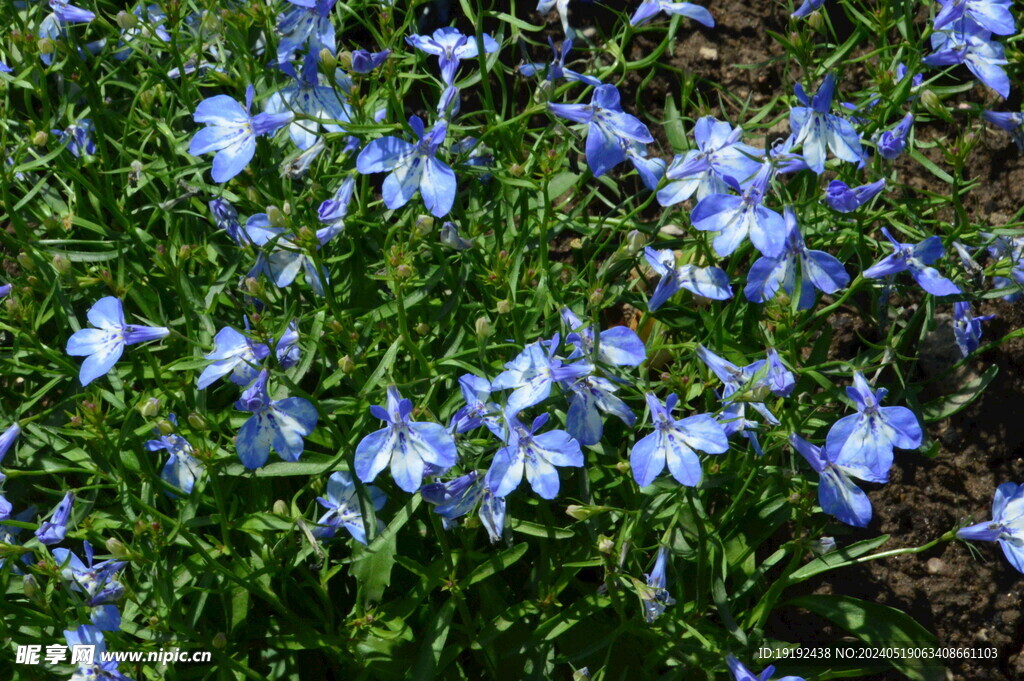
{"x":181,"y":469}
{"x":591,"y":395}
{"x":104,"y":345}
{"x":536,"y":456}
{"x":892,"y":142}
{"x":562,"y":7}
{"x":841,"y":198}
{"x":749,"y":383}
{"x":806,"y":7}
{"x":151,"y":18}
{"x":451,"y":46}
{"x":8,"y":438}
{"x":98,"y":669}
{"x":343,"y":509}
{"x":53,"y":530}
{"x":1006,"y":526}
{"x":318,"y":105}
{"x":556,"y":69}
{"x":5,"y":290}
{"x":655,"y":597}
{"x":818,"y":130}
{"x":364,"y":61}
{"x":719,"y":155}
{"x":409,"y":446}
{"x":710,"y":282}
{"x":865,"y":440}
{"x":734,"y":217}
{"x":231,"y":132}
{"x":991,"y":15}
{"x":648,"y":8}
{"x":1012,"y":122}
{"x":964,"y":42}
{"x":532,"y":373}
{"x":820,"y":270}
{"x":618,"y":346}
{"x":79,"y":137}
{"x":98,"y":581}
{"x":838,"y":495}
{"x":607,"y":124}
{"x":915,"y":258}
{"x":412,"y":167}
{"x":279,"y":423}
{"x":967,"y":328}
{"x":741,"y":673}
{"x":308,"y":23}
{"x":457,"y":497}
{"x":478,"y":410}
{"x":779,"y":379}
{"x":233,"y":354}
{"x":675,"y":442}
{"x":4,"y":68}
{"x":650,"y":170}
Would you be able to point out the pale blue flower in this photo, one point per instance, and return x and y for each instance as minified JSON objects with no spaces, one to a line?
{"x":231,"y":132}
{"x":104,"y":345}
{"x":536,"y":456}
{"x":915,"y":258}
{"x":820,"y":270}
{"x":181,"y":469}
{"x":964,"y":42}
{"x":719,"y":155}
{"x":838,"y":495}
{"x":412,"y":168}
{"x":741,"y":673}
{"x":991,"y":15}
{"x":79,"y":137}
{"x":710,"y":282}
{"x":656,"y":597}
{"x":618,"y":346}
{"x":343,"y":509}
{"x":532,"y":373}
{"x":556,"y":70}
{"x":967,"y":328}
{"x":736,"y":217}
{"x":97,"y":581}
{"x":865,"y":440}
{"x":841,"y":198}
{"x":479,"y":410}
{"x":458,"y":497}
{"x":820,"y":131}
{"x":98,"y":669}
{"x":306,"y":25}
{"x":451,"y":46}
{"x":233,"y":354}
{"x":318,"y":106}
{"x":608,"y":128}
{"x":675,"y":443}
{"x":408,"y":446}
{"x":649,"y":8}
{"x":589,"y":396}
{"x":1012,"y":122}
{"x":1006,"y":526}
{"x":281,"y":424}
{"x":891,"y":143}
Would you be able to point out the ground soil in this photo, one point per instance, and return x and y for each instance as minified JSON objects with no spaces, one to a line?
{"x":967,"y":601}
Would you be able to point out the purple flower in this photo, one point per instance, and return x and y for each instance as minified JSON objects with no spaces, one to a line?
{"x":408,"y":446}
{"x":53,"y":530}
{"x":79,"y":137}
{"x":964,"y":42}
{"x":181,"y":469}
{"x":457,"y":497}
{"x":892,"y":142}
{"x":841,"y":198}
{"x":364,"y":61}
{"x":741,"y":673}
{"x":915,"y":258}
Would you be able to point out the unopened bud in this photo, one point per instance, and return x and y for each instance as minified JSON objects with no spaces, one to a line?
{"x":149,"y":408}
{"x":26,"y":262}
{"x":423,"y":328}
{"x":253,"y":286}
{"x":331,"y":62}
{"x":935,"y":106}
{"x":483,"y":327}
{"x":816,"y":21}
{"x":126,"y":20}
{"x":515,"y":170}
{"x":275,"y":216}
{"x":220,"y":640}
{"x":40,"y":138}
{"x":117,"y":549}
{"x":424,"y":225}
{"x":32,"y":591}
{"x":605,"y":544}
{"x":403,"y":272}
{"x":165,"y":426}
{"x":61,"y":264}
{"x":346,"y":364}
{"x":504,"y":307}
{"x":622,"y":467}
{"x":596,"y":296}
{"x":635,"y":241}
{"x":46,"y":46}
{"x":280,"y":507}
{"x":197,"y":421}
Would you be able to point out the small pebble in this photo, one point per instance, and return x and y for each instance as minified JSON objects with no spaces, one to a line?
{"x":935,"y":566}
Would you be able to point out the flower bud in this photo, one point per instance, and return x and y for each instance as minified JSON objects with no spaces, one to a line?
{"x":117,"y":549}
{"x":149,"y":408}
{"x":220,"y":640}
{"x":623,"y":467}
{"x":26,"y":262}
{"x":504,"y":307}
{"x":280,"y":507}
{"x":165,"y":426}
{"x":61,"y":264}
{"x":596,"y":296}
{"x":32,"y":591}
{"x":330,"y":62}
{"x":46,"y":46}
{"x":424,"y":225}
{"x":515,"y":170}
{"x":253,"y":286}
{"x":816,"y":21}
{"x":126,"y":20}
{"x":423,"y":328}
{"x":403,"y":272}
{"x":635,"y":241}
{"x":605,"y":544}
{"x":40,"y":138}
{"x":483,"y":327}
{"x":347,"y":365}
{"x":197,"y":421}
{"x":934,"y":105}
{"x":275,"y":216}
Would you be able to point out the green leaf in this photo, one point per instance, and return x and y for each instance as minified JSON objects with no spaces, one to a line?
{"x":879,"y":626}
{"x":836,"y":559}
{"x":373,"y":568}
{"x":496,"y":563}
{"x":947,"y":405}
